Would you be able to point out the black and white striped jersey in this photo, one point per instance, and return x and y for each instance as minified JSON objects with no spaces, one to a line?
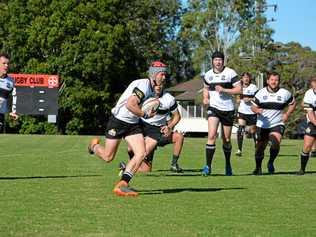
{"x":272,"y":104}
{"x":142,"y":89}
{"x":228,"y":78}
{"x":309,"y":101}
{"x":6,"y":88}
{"x":168,"y":105}
{"x":247,"y":92}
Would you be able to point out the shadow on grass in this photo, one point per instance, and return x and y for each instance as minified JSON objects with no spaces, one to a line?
{"x":288,"y":144}
{"x":285,"y":155}
{"x":48,"y":177}
{"x":184,"y":170}
{"x":279,"y":173}
{"x":179,"y":190}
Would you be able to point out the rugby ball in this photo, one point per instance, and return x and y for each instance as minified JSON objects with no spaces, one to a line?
{"x":151,"y":104}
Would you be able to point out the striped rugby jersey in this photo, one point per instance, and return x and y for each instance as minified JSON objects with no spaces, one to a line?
{"x":309,"y":101}
{"x":228,"y":78}
{"x":272,"y":104}
{"x":247,"y":92}
{"x":142,"y":89}
{"x":6,"y":88}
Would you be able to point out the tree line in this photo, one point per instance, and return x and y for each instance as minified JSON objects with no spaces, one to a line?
{"x":98,"y":47}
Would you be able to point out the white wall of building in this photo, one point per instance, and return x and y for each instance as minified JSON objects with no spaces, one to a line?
{"x":193,"y":120}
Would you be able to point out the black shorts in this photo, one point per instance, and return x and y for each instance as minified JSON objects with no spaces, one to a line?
{"x":151,"y":131}
{"x":117,"y":129}
{"x":310,"y":130}
{"x":263,"y":133}
{"x":165,"y":140}
{"x":251,"y":119}
{"x":225,"y":117}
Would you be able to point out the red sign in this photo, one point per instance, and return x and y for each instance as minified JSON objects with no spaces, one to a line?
{"x":35,"y":80}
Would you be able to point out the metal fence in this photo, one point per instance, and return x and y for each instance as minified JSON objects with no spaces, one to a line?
{"x":192,"y":111}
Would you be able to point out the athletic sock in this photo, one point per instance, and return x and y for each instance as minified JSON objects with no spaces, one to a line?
{"x":227,"y":152}
{"x":304,"y":160}
{"x":174,"y":159}
{"x":254,"y":136}
{"x":259,"y":158}
{"x":209,"y":152}
{"x":127,"y":176}
{"x":240,"y":139}
{"x":273,"y":154}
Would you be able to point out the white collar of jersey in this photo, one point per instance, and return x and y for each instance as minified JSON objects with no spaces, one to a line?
{"x":218,"y":72}
{"x":272,"y":91}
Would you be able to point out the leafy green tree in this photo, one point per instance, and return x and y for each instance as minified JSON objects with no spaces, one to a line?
{"x":214,"y":25}
{"x":96,"y":47}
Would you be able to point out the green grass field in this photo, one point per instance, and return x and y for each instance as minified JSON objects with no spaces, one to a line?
{"x":50,"y":186}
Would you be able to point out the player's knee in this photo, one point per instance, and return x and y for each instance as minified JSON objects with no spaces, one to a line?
{"x":108,"y":157}
{"x":211,"y":137}
{"x":139,"y":156}
{"x":307,"y":148}
{"x":259,"y":151}
{"x":227,"y":146}
{"x":274,"y":142}
{"x":178,"y":137}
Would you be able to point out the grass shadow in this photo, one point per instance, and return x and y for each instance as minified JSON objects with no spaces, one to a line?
{"x":283,"y":155}
{"x":179,"y":190}
{"x":278,"y":173}
{"x":287,"y":144}
{"x":184,"y":170}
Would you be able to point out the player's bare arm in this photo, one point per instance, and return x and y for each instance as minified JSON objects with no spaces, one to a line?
{"x":205,"y":96}
{"x":167,"y":129}
{"x":289,"y":111}
{"x":133,"y":105}
{"x":233,"y":91}
{"x":256,"y":109}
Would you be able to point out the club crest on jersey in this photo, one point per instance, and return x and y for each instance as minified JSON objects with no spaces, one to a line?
{"x":279,"y":98}
{"x":265,"y":97}
{"x":112,"y":132}
{"x":223,"y":78}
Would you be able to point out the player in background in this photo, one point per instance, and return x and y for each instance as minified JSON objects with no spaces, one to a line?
{"x":245,"y":116}
{"x":220,"y":84}
{"x":269,"y":104}
{"x":158,"y":131}
{"x":309,"y":103}
{"x":6,"y":90}
{"x":124,"y":123}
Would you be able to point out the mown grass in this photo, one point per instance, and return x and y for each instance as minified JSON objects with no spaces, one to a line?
{"x":50,"y":186}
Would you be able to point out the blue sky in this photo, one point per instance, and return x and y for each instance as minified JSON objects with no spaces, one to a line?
{"x":295,"y":21}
